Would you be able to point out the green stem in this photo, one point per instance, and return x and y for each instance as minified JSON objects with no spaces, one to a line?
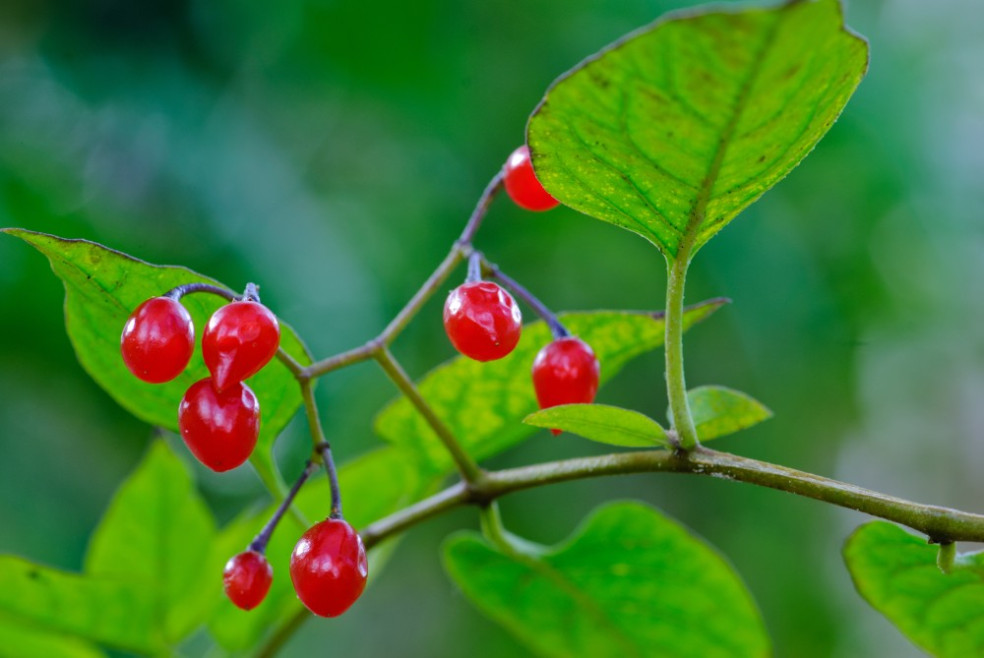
{"x":469,"y":470}
{"x":676,"y":386}
{"x":941,"y":524}
{"x":946,"y":557}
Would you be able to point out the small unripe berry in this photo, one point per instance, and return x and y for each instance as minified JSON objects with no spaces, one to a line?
{"x":158,"y":340}
{"x":220,"y":429}
{"x":565,"y":371}
{"x":247,"y":578}
{"x":328,"y":567}
{"x":482,"y":320}
{"x":239,"y":339}
{"x":522,"y":185}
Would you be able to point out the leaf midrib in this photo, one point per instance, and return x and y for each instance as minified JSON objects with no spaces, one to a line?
{"x":699,"y":210}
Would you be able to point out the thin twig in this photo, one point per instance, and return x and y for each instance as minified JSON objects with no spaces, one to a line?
{"x":469,"y":470}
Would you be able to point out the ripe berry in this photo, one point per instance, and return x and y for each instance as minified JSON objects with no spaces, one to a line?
{"x":219,"y":428}
{"x":328,"y":567}
{"x":246,"y":579}
{"x":565,"y":372}
{"x":521,"y":183}
{"x":158,"y":339}
{"x":239,"y":339}
{"x":482,"y":320}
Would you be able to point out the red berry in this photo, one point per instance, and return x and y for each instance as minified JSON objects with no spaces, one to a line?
{"x":522,"y":185}
{"x":482,"y":320}
{"x":219,"y":428}
{"x":158,"y":340}
{"x":246,"y":579}
{"x":565,"y":372}
{"x":239,"y":339}
{"x":328,"y":567}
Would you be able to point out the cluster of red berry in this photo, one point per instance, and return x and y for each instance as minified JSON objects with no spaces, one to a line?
{"x":219,"y":416}
{"x":484,"y":323}
{"x":219,"y":419}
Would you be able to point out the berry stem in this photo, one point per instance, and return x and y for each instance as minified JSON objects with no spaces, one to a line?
{"x":178,"y":292}
{"x":469,"y":470}
{"x":676,"y":386}
{"x":474,"y":267}
{"x":251,"y":294}
{"x":259,"y":543}
{"x":324,"y":448}
{"x":557,"y":329}
{"x":321,"y":447}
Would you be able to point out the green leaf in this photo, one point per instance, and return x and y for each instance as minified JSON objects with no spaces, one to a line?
{"x":25,"y":642}
{"x":374,"y":486}
{"x":142,"y":587}
{"x":897,"y":574}
{"x":102,"y":288}
{"x":674,"y":130}
{"x":116,"y":612}
{"x":484,"y":403}
{"x":155,"y":532}
{"x":718,"y":411}
{"x":630,"y":582}
{"x":602,"y":423}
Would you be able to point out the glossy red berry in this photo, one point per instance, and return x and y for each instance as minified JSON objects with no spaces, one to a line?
{"x":521,"y":183}
{"x":246,"y":579}
{"x":239,"y":339}
{"x":565,"y":372}
{"x":158,"y":340}
{"x":482,"y":320}
{"x":219,"y":428}
{"x":328,"y":567}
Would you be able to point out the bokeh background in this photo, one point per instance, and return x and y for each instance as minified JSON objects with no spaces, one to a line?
{"x":331,"y":149}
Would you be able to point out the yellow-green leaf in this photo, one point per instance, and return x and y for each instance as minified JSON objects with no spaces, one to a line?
{"x":602,"y":423}
{"x":674,"y":130}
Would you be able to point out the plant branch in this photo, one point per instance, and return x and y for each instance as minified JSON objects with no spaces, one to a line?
{"x":469,"y":470}
{"x":941,"y":524}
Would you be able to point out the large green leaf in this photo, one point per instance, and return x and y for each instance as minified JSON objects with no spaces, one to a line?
{"x":896,"y":572}
{"x":484,"y":403}
{"x":630,"y":582}
{"x":142,"y":584}
{"x":674,"y":130}
{"x":102,"y":288}
{"x":603,"y":423}
{"x":373,"y":486}
{"x":116,"y":612}
{"x":20,"y":641}
{"x":155,"y":532}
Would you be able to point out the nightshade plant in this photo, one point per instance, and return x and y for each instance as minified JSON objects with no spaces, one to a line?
{"x":669,"y":133}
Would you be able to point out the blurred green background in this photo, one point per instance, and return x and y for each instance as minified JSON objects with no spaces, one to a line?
{"x":331,"y":150}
